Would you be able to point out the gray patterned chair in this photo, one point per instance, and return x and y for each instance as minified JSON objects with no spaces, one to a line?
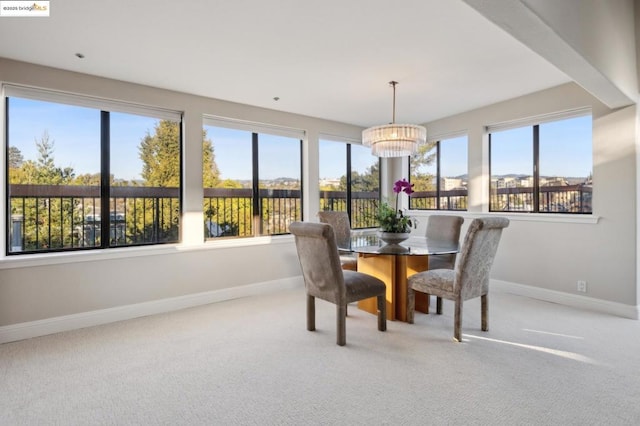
{"x":469,"y":279}
{"x":445,"y":228}
{"x":325,"y":279}
{"x":342,"y":229}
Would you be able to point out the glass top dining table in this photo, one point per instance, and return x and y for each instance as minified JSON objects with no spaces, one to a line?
{"x":413,"y":246}
{"x":393,"y":264}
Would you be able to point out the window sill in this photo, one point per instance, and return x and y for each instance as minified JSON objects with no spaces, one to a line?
{"x":516,"y":217}
{"x":32,"y":260}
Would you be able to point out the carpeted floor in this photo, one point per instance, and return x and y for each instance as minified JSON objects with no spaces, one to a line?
{"x":251,"y":362}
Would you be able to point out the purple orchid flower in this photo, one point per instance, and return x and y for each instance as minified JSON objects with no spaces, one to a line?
{"x":403,"y":185}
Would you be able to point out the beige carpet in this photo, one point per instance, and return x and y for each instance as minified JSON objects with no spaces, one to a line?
{"x":251,"y":362}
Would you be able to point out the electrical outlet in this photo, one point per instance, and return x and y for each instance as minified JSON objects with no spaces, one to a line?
{"x":582,"y":286}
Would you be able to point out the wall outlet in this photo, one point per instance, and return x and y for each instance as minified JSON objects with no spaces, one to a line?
{"x":582,"y":286}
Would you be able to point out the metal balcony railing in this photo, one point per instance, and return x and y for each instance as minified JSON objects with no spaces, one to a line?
{"x":575,"y":199}
{"x":61,"y":217}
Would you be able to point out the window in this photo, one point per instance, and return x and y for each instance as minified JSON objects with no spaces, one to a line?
{"x":252,"y":176}
{"x":439,"y":173}
{"x":349,"y":181}
{"x":86,"y":175}
{"x":542,"y":168}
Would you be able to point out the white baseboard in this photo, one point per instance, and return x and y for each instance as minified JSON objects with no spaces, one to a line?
{"x":574,"y":300}
{"x":14,"y":332}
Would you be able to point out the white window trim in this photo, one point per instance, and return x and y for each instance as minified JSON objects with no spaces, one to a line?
{"x":539,"y":119}
{"x":100,"y":104}
{"x":251,"y":126}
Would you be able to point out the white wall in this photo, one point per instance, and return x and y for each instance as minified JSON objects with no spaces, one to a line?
{"x":549,"y":252}
{"x":602,"y":32}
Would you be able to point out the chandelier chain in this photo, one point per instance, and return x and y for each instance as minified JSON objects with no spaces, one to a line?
{"x":393,"y":84}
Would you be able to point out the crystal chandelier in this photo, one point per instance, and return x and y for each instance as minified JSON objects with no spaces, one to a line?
{"x":394,"y":140}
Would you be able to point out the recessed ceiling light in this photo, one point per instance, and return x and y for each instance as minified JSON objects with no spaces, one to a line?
{"x":276,"y":98}
{"x":80,"y":55}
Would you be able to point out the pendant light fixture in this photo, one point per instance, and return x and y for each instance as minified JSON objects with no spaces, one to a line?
{"x":394,"y":140}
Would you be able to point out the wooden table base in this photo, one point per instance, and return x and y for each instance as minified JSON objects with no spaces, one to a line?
{"x":393,"y":270}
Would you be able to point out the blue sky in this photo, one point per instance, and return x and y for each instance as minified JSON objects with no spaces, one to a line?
{"x":565,"y":149}
{"x":76,"y":132}
{"x":76,"y":135}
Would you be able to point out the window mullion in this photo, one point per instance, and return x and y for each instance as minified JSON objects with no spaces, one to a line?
{"x":438,"y":207}
{"x":349,"y":181}
{"x":257,"y":210}
{"x":536,"y":168}
{"x":105,"y":187}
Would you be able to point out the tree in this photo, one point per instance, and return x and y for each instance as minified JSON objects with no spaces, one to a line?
{"x":41,"y":171}
{"x":368,"y":181}
{"x":160,"y":155}
{"x":47,"y":220}
{"x":210,"y":172}
{"x":425,"y":156}
{"x":15,"y":157}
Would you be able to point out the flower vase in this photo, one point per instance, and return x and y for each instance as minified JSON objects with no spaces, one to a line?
{"x":393,"y":237}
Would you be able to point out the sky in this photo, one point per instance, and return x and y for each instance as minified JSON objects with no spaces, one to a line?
{"x":76,"y":132}
{"x":563,"y":151}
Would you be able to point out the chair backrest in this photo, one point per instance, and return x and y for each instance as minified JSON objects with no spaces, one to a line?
{"x":445,"y":228}
{"x":341,"y":226}
{"x":319,"y":260}
{"x":477,"y":255}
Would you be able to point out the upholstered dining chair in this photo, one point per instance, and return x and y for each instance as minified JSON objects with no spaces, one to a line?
{"x":444,"y":228}
{"x":469,"y":279}
{"x":325,"y":279}
{"x":342,"y":228}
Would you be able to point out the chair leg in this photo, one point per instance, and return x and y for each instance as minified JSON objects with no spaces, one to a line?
{"x":439,"y":305}
{"x":341,"y":314}
{"x":411,"y":305}
{"x":457,"y":321}
{"x":484,"y":309}
{"x":382,"y":313}
{"x":311,"y":313}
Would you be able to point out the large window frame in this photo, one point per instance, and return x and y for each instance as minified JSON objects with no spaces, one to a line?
{"x":440,"y":199}
{"x":106,"y":196}
{"x":262,"y":200}
{"x":555,"y":202}
{"x":366,"y":210}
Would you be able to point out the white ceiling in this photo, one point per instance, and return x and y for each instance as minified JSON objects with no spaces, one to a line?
{"x":331,"y":59}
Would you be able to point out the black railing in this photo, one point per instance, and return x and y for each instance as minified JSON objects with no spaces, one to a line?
{"x":56,"y":217}
{"x":455,"y":199}
{"x":553,"y":199}
{"x":60,"y":217}
{"x":364,"y":206}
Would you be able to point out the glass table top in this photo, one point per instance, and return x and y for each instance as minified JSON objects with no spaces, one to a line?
{"x":414,"y":246}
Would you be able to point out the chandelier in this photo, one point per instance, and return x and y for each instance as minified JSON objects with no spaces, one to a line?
{"x":394,"y":140}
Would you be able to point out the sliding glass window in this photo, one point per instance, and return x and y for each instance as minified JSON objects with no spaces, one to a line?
{"x":349,"y":181}
{"x":544,"y":167}
{"x":439,"y":174}
{"x":86,"y":174}
{"x":252,"y":177}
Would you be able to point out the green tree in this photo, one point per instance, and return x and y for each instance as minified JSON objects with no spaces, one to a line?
{"x":368,"y":181}
{"x":160,"y":155}
{"x":47,"y":221}
{"x":425,"y":156}
{"x":210,"y":172}
{"x":41,"y":171}
{"x":15,"y":157}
